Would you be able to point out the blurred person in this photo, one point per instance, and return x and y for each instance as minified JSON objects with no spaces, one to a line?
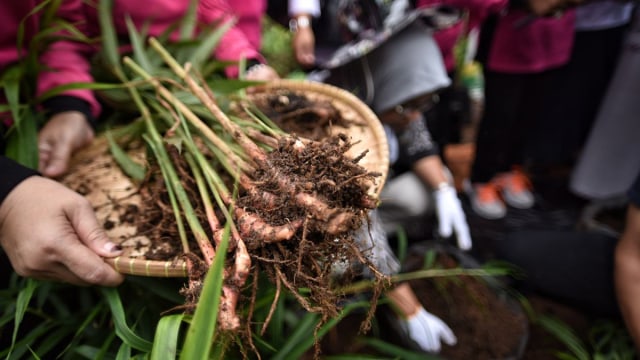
{"x":459,"y":104}
{"x":596,"y":257}
{"x":519,"y":54}
{"x":561,"y":131}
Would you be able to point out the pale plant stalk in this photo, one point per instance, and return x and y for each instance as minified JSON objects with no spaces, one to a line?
{"x":173,"y":180}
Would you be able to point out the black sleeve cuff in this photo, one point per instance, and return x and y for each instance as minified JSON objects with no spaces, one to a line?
{"x":12,"y":174}
{"x":62,"y":103}
{"x":519,"y":4}
{"x":252,"y":62}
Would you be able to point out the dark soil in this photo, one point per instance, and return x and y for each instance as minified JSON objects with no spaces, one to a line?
{"x":487,"y":324}
{"x":297,"y":114}
{"x":486,"y":321}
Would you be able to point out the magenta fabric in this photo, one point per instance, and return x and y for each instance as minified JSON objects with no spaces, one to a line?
{"x":249,"y":14}
{"x":63,"y":62}
{"x":540,"y":45}
{"x":241,"y":41}
{"x":478,"y":10}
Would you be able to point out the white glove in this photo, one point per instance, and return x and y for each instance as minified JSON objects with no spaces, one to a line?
{"x":427,"y":330}
{"x":397,"y":11}
{"x":451,"y":217}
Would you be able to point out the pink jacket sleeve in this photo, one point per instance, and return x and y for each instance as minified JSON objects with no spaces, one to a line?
{"x":66,"y":61}
{"x":234,"y":45}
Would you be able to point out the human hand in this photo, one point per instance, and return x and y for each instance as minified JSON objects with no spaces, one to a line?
{"x":428,"y":330}
{"x":50,"y":232}
{"x":261,"y":72}
{"x":63,"y":134}
{"x":451,"y":216}
{"x":304,"y":43}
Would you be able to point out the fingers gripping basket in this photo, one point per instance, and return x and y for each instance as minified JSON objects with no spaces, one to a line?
{"x":115,"y":197}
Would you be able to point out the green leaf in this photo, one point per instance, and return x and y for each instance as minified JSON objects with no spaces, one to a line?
{"x":565,"y":335}
{"x":122,"y":329}
{"x":126,"y":163}
{"x":189,"y":20}
{"x":11,"y":80}
{"x":304,"y":338}
{"x":82,"y":86}
{"x":137,"y":42}
{"x":109,"y":44}
{"x":165,"y":342}
{"x":302,"y":332}
{"x":198,"y":342}
{"x":124,"y":352}
{"x":205,"y":49}
{"x":22,"y":139}
{"x":21,"y":347}
{"x":22,"y":304}
{"x":398,"y":352}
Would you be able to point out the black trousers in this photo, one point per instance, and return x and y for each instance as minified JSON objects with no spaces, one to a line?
{"x":572,"y":103}
{"x":512,"y":106}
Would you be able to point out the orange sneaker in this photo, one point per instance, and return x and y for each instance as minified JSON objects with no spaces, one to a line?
{"x":486,"y":202}
{"x":516,"y":189}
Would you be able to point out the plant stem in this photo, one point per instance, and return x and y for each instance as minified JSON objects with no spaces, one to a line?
{"x":173,"y":180}
{"x":251,"y":147}
{"x":190,"y":116}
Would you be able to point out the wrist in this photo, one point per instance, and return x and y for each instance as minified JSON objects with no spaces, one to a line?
{"x":441,"y":186}
{"x":14,"y":174}
{"x":299,"y":22}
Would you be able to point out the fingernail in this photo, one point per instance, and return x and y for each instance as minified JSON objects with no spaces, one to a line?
{"x":112,"y":247}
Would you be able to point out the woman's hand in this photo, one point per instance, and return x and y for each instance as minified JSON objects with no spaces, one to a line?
{"x":50,"y":232}
{"x":61,"y":136}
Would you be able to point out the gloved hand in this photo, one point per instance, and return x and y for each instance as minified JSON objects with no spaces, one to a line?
{"x":397,"y":12}
{"x":451,"y":217}
{"x":428,"y":330}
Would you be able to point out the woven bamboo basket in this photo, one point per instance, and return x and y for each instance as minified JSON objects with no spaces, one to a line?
{"x":95,"y":174}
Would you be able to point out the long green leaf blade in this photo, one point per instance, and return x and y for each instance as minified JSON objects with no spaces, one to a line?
{"x":165,"y":342}
{"x":198,"y":342}
{"x":122,"y":329}
{"x":126,"y":163}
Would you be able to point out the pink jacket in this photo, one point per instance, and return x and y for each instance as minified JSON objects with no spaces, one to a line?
{"x":478,"y":10}
{"x":542,"y":44}
{"x":241,"y":41}
{"x":64,"y":61}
